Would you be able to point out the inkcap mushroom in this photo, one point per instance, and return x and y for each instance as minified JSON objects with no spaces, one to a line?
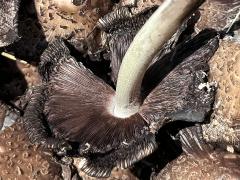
{"x":115,"y":128}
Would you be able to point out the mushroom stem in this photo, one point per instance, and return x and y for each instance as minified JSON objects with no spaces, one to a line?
{"x":149,"y":40}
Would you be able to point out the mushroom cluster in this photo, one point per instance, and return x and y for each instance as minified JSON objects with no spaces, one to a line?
{"x":164,"y":70}
{"x":117,"y":128}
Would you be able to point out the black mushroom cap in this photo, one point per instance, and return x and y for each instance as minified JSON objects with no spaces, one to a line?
{"x":76,"y":106}
{"x":8,"y":21}
{"x":178,"y":95}
{"x":200,"y":160}
{"x":223,"y":128}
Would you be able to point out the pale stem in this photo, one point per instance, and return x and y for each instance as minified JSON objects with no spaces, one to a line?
{"x":149,"y":40}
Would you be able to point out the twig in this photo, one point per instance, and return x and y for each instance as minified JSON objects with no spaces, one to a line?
{"x":12,"y":57}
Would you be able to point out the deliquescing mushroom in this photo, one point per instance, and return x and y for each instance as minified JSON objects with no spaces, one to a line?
{"x":117,"y":128}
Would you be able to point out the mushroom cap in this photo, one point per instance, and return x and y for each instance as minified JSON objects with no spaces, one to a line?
{"x":224,"y":69}
{"x":22,"y":160}
{"x":177,"y":91}
{"x":214,"y":165}
{"x":120,"y":142}
{"x":200,"y":160}
{"x":8,"y":21}
{"x":217,"y":14}
{"x":78,"y":107}
{"x":225,"y":120}
{"x":63,"y":19}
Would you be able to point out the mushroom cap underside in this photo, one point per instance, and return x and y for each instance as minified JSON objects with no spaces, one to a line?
{"x":77,"y":86}
{"x":79,"y":109}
